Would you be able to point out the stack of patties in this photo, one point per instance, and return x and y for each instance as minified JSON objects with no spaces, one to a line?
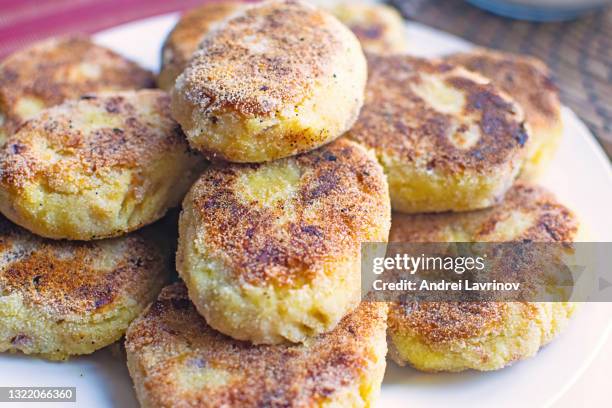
{"x":310,"y":145}
{"x":484,"y":335}
{"x":269,"y":311}
{"x":452,"y":143}
{"x":86,"y":160}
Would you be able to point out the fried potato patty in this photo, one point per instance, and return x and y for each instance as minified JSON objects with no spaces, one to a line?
{"x":176,"y":359}
{"x":52,"y":71}
{"x":185,"y":37}
{"x":60,"y":298}
{"x":456,"y":336}
{"x":379,"y":28}
{"x":96,"y":167}
{"x":447,"y":139}
{"x":529,"y":82}
{"x":271,"y":252}
{"x":278,"y":79}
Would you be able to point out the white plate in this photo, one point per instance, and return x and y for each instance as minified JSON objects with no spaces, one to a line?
{"x":580,"y":175}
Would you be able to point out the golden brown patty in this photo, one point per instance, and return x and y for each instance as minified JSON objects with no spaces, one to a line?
{"x":446,"y":138}
{"x":278,"y":79}
{"x":379,"y":28}
{"x":455,"y":336}
{"x":52,"y":71}
{"x":484,"y":336}
{"x":60,"y":298}
{"x":270,"y":252}
{"x":96,"y":167}
{"x":530,"y":83}
{"x":176,"y":359}
{"x":185,"y":37}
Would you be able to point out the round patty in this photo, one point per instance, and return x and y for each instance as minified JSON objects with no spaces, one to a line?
{"x":456,"y":336}
{"x":52,"y":71}
{"x":271,"y":252}
{"x":529,"y":82}
{"x":278,"y":79}
{"x":176,"y":359}
{"x":447,"y":139}
{"x":59,"y":298}
{"x":96,"y":167}
{"x":379,"y":28}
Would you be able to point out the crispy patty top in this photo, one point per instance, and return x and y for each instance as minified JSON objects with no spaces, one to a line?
{"x":70,"y":146}
{"x":69,"y":279}
{"x":271,"y":222}
{"x":528,"y":213}
{"x":437,"y":116}
{"x":266,"y":59}
{"x":52,"y":71}
{"x":172,"y":344}
{"x":525,"y":78}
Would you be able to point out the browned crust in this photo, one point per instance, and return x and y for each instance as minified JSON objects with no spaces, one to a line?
{"x":525,"y":78}
{"x":185,"y":37}
{"x":436,"y":322}
{"x":395,"y":120}
{"x":439,"y":322}
{"x":265,"y":59}
{"x":171,"y":336}
{"x":339,"y":183}
{"x":42,"y":71}
{"x":136,"y":142}
{"x":66,"y":279}
{"x":552,"y":222}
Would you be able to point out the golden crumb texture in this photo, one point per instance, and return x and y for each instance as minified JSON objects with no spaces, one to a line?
{"x":60,"y":299}
{"x":484,"y":336}
{"x":271,"y":252}
{"x":456,"y":336}
{"x":176,"y":359}
{"x":96,"y":167}
{"x":52,"y":71}
{"x":529,"y":81}
{"x":279,"y":78}
{"x":447,"y":139}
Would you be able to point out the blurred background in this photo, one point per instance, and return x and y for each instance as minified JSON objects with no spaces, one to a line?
{"x":573,"y":36}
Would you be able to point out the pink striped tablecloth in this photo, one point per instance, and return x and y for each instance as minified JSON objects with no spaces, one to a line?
{"x":25,"y":21}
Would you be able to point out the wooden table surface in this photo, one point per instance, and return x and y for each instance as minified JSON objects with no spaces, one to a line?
{"x":579,"y":52}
